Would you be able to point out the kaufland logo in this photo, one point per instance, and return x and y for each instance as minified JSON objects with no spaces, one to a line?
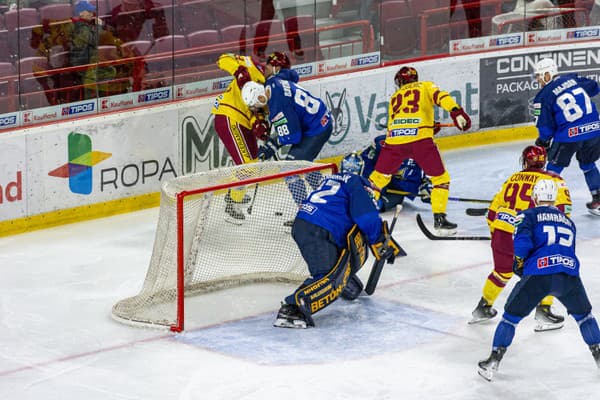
{"x":8,"y":120}
{"x":81,"y":159}
{"x":583,"y":34}
{"x":104,"y":104}
{"x":78,"y":108}
{"x":154,"y":96}
{"x":367,"y":60}
{"x":503,"y":41}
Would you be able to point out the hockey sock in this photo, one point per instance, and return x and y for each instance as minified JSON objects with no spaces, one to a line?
{"x":588,"y":327}
{"x":554,"y":168}
{"x":505,"y":332}
{"x":494,"y":285}
{"x":592,"y":176}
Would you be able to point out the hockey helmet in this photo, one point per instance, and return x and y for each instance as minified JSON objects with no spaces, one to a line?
{"x":544,"y":190}
{"x":533,"y":157}
{"x":545,"y":65}
{"x":279,"y":59}
{"x":254,"y":95}
{"x":406,"y":75}
{"x":352,"y":164}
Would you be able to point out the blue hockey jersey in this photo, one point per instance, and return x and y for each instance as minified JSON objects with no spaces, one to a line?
{"x":409,"y":175}
{"x":545,"y":238}
{"x":564,"y":110}
{"x":340,"y":202}
{"x":294,"y":112}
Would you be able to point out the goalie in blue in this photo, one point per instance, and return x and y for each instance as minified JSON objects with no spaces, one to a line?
{"x":408,"y":182}
{"x":544,"y":258}
{"x":332,"y":229}
{"x":568,"y":124}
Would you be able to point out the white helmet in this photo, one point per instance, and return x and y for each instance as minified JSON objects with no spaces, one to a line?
{"x":253,"y":94}
{"x":546,"y":65}
{"x":544,"y":190}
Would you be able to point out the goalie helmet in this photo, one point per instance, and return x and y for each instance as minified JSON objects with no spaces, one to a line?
{"x":279,"y":59}
{"x":545,"y":65}
{"x":533,"y":157}
{"x":254,"y":95}
{"x":406,"y":75}
{"x":544,"y":190}
{"x":352,"y":164}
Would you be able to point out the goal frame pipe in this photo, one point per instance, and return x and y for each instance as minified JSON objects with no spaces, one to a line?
{"x":180,"y":196}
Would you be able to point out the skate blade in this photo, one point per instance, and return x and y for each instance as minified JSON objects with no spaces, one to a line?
{"x":486,"y":374}
{"x":594,"y":211}
{"x":547,"y":327}
{"x":295,"y":324}
{"x":234,"y":221}
{"x":474,"y":320}
{"x":445,"y":232}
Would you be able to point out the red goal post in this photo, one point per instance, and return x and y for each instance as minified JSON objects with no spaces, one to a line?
{"x":197,"y":249}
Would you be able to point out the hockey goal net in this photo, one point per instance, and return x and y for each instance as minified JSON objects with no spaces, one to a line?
{"x":198,"y":248}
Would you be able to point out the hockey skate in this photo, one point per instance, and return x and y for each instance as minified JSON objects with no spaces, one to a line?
{"x":443,"y":226}
{"x":547,"y":320}
{"x":488,"y":366}
{"x":483,"y":312}
{"x":594,"y":205}
{"x":595,"y":349}
{"x":233,"y":210}
{"x":290,"y":316}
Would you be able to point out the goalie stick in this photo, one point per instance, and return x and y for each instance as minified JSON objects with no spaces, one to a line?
{"x":378,"y":264}
{"x":432,"y":236}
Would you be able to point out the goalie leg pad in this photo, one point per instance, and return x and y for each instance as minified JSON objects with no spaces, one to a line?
{"x":353,"y":289}
{"x":358,"y":248}
{"x":315,"y":296}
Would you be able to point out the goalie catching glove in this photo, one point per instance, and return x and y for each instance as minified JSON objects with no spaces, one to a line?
{"x":386,"y":247}
{"x":268,"y":150}
{"x":460,"y":118}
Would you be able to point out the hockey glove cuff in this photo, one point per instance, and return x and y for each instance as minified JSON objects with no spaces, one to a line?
{"x":460,"y":118}
{"x":518,"y":265}
{"x":543,"y":143}
{"x":242,"y":76}
{"x":425,"y":190}
{"x":260,"y":129}
{"x":268,"y":150}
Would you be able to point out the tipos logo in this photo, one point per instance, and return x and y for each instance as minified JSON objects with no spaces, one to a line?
{"x":81,"y":160}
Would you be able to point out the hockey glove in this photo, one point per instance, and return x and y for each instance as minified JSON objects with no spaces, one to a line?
{"x":386,"y":247}
{"x":261,"y":129}
{"x":460,"y":118}
{"x":268,"y":150}
{"x":543,"y":143}
{"x":518,"y":265}
{"x":437,"y":127}
{"x":242,"y":76}
{"x":425,"y":190}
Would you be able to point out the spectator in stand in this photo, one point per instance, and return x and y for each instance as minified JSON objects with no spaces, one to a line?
{"x":86,"y":35}
{"x":128,"y":18}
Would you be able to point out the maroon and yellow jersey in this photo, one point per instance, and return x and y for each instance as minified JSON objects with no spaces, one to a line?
{"x":411,"y":111}
{"x":230,"y":103}
{"x":515,"y":196}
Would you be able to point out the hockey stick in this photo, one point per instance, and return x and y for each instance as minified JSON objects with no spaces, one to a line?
{"x":253,"y":199}
{"x":431,"y":236}
{"x":404,"y":193}
{"x":378,"y":264}
{"x":476,"y":212}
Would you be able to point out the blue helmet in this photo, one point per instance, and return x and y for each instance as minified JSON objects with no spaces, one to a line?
{"x":352,"y":164}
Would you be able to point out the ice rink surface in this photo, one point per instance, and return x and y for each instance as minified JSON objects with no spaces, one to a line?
{"x":410,"y":340}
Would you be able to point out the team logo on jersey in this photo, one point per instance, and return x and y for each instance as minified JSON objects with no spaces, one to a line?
{"x":308,"y":208}
{"x":583,"y":129}
{"x":404,"y":132}
{"x":340,"y":115}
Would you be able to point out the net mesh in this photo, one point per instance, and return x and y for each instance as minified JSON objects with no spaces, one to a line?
{"x":220,"y":250}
